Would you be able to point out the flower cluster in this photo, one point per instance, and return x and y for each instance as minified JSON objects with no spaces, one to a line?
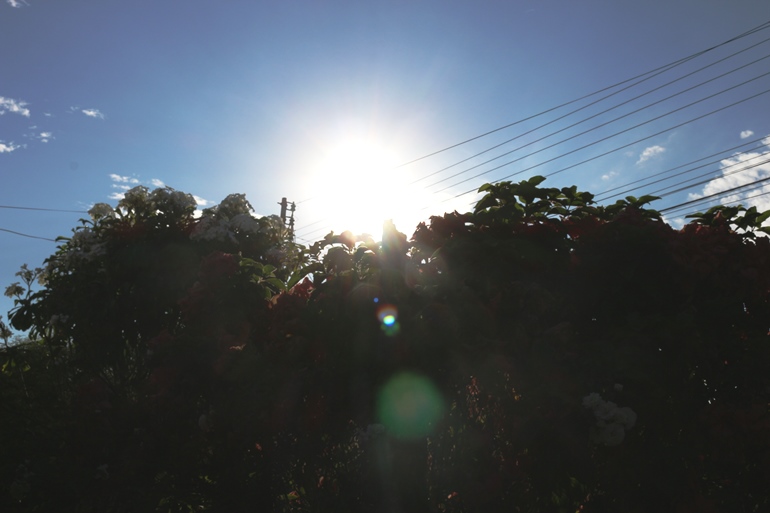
{"x":83,"y":246}
{"x":135,"y":200}
{"x":230,"y":207}
{"x":14,"y":290}
{"x":101,"y":211}
{"x":611,"y":421}
{"x":163,"y":199}
{"x":168,"y":200}
{"x":58,"y":320}
{"x":211,"y":228}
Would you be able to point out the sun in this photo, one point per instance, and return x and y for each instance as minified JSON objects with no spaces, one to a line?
{"x":358,"y":185}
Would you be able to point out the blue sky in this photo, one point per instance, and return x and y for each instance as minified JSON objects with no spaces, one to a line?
{"x":317,"y":101}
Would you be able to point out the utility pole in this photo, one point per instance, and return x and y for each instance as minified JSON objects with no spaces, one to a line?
{"x":284,"y":206}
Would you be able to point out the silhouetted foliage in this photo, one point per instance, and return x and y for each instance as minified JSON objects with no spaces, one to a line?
{"x":541,"y":353}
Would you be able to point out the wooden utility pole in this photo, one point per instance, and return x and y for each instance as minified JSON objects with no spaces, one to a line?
{"x":292,"y":207}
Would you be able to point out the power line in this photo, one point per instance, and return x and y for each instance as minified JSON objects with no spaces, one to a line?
{"x":712,"y":178}
{"x":26,"y":235}
{"x":656,"y":71}
{"x":301,"y":228}
{"x":601,"y":154}
{"x":671,"y":64}
{"x":597,"y":114}
{"x":45,"y":209}
{"x":733,"y":202}
{"x":726,"y":192}
{"x":670,"y":170}
{"x":604,"y":138}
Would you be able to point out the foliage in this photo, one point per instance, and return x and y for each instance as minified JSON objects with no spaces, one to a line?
{"x":541,"y":353}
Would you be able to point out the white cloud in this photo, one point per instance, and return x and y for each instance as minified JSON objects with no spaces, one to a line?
{"x":16,"y":3}
{"x":117,"y":196}
{"x":15,"y":106}
{"x":7,"y":148}
{"x":746,"y":134}
{"x":611,"y":174}
{"x":742,"y":169}
{"x":121,"y":187}
{"x":45,"y":136}
{"x":92,"y":113}
{"x":200,"y":201}
{"x":123,"y":179}
{"x":650,"y":152}
{"x":157,"y":183}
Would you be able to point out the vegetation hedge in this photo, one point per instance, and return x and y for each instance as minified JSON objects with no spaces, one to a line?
{"x":541,"y":353}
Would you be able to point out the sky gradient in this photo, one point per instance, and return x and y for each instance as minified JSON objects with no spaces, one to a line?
{"x":320,"y":101}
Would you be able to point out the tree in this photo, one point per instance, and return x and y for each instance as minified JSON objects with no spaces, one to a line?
{"x":541,"y":353}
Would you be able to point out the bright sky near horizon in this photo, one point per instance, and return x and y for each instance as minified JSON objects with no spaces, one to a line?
{"x":319,"y":101}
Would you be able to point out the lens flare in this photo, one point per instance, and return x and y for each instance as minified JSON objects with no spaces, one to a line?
{"x":388,"y":317}
{"x":409,"y":406}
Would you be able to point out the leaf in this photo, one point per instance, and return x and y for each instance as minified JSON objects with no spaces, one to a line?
{"x":647,"y":198}
{"x":338,"y":259}
{"x":761,"y":218}
{"x":276,"y":283}
{"x":297,"y":275}
{"x":485,"y":187}
{"x":569,"y":192}
{"x":347,"y":239}
{"x":560,"y":211}
{"x":484,"y":203}
{"x":248,"y":262}
{"x":9,"y":363}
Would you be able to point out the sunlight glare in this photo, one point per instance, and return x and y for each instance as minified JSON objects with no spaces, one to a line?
{"x":359,"y":187}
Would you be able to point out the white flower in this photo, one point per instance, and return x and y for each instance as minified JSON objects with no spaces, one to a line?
{"x":244,"y":223}
{"x":209,"y":229}
{"x":272,"y":225}
{"x":606,"y":410}
{"x":592,"y":400}
{"x":166,"y":199}
{"x":83,"y":237}
{"x":275,"y":254}
{"x":233,"y":205}
{"x":136,"y":199}
{"x":626,"y":416}
{"x":57,"y":319}
{"x":101,"y":210}
{"x":204,"y":423}
{"x":84,"y":245}
{"x":611,"y":421}
{"x":14,"y":289}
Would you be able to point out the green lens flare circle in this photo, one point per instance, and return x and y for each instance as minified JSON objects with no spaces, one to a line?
{"x":409,"y":406}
